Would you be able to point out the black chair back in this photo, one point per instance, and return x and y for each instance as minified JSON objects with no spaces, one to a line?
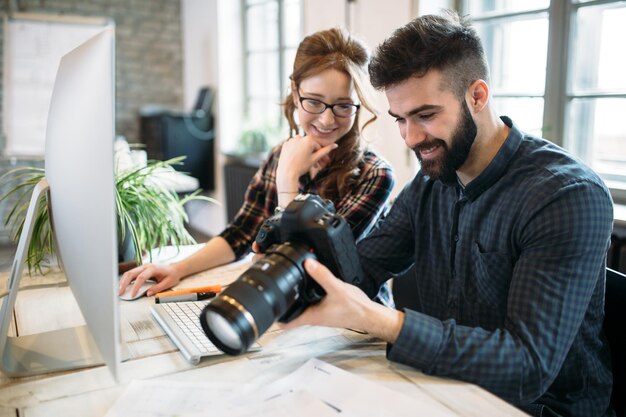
{"x":168,"y":134}
{"x":204,"y":101}
{"x":615,"y":329}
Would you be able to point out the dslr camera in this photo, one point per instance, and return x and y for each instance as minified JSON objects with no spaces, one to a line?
{"x":277,"y":287}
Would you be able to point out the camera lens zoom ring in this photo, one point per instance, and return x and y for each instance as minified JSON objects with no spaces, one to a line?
{"x":244,"y":311}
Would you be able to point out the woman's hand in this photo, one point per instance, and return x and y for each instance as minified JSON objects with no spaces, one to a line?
{"x":257,"y":252}
{"x":166,"y":276}
{"x":298,"y":155}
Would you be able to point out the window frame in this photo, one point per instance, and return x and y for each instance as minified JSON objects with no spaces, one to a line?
{"x":281,"y":50}
{"x":557,"y":95}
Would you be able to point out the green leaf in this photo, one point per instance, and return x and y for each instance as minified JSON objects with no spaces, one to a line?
{"x":152,"y":215}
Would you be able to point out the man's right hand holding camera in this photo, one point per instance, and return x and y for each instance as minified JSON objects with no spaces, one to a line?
{"x":346,"y":306}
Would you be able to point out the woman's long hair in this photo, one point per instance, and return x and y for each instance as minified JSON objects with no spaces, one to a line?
{"x":335,"y":49}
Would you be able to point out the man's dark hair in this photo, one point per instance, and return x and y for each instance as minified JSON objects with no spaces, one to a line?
{"x":446,"y":43}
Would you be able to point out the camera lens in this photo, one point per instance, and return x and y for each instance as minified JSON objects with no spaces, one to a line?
{"x":223,"y":327}
{"x":263,"y":293}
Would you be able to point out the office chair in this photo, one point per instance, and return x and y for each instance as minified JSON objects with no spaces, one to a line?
{"x":204,"y":104}
{"x":168,"y":134}
{"x":614,"y":319}
{"x":618,"y":246}
{"x":405,"y":292}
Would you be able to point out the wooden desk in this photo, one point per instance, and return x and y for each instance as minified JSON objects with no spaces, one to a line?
{"x":91,"y":392}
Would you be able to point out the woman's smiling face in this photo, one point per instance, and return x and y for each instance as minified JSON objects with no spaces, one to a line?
{"x":331,"y":87}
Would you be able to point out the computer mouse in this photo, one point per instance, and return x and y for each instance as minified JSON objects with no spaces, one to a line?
{"x":142,"y":290}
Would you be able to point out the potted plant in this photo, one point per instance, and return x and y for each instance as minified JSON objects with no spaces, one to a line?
{"x":149,"y":214}
{"x":258,"y":140}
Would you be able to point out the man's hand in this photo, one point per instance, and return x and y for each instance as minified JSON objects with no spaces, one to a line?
{"x":347,"y":306}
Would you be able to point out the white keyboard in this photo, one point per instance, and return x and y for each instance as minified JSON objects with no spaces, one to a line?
{"x":181,"y":323}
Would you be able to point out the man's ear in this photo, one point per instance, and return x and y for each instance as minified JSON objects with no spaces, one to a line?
{"x":477,"y":95}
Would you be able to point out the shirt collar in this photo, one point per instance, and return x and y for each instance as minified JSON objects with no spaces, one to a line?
{"x":496,"y":168}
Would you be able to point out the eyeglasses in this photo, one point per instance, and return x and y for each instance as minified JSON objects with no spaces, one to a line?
{"x":314,"y":106}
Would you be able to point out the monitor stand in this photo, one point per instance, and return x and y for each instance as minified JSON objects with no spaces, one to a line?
{"x":45,"y":352}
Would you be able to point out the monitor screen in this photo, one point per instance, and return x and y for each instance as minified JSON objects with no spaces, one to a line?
{"x":79,"y":169}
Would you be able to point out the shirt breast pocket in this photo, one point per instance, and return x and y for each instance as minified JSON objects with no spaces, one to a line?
{"x":491,"y":277}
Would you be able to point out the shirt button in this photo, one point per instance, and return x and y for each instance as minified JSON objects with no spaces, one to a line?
{"x":456,"y":238}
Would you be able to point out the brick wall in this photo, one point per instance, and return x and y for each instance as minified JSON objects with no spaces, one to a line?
{"x":148,"y":51}
{"x":149,"y":55}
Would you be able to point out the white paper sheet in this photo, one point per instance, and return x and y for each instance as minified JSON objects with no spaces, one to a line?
{"x":300,"y":403}
{"x":162,"y":398}
{"x":315,"y":389}
{"x":349,"y":394}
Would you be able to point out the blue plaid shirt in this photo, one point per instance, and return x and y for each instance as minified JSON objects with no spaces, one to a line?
{"x":510,"y":273}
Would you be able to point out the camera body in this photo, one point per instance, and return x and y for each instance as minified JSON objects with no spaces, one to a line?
{"x":302,"y":211}
{"x":311,"y":222}
{"x":277,"y":287}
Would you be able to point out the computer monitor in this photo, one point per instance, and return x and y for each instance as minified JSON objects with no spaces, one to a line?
{"x":79,"y":167}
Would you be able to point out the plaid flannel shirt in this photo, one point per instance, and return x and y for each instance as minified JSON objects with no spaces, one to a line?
{"x":361,"y":207}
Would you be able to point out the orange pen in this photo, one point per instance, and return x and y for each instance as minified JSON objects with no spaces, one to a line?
{"x":209,"y":288}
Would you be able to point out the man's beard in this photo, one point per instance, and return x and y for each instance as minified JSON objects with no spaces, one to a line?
{"x":444,"y":168}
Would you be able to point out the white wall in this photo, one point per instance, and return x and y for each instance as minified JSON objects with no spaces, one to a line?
{"x":372,"y":21}
{"x":432,"y":6}
{"x":211,"y":42}
{"x":201,"y":55}
{"x":199,"y":26}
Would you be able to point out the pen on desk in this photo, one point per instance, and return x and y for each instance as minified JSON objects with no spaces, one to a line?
{"x":209,"y":288}
{"x":192,"y":296}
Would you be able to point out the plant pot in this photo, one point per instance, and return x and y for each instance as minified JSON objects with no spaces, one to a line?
{"x":125,"y":247}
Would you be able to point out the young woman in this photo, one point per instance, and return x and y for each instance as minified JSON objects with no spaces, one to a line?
{"x":328,"y":94}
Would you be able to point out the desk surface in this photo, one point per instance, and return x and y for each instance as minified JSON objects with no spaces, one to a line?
{"x":91,"y":392}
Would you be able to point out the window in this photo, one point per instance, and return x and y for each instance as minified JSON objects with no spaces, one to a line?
{"x":557,"y":70}
{"x":272,"y":32}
